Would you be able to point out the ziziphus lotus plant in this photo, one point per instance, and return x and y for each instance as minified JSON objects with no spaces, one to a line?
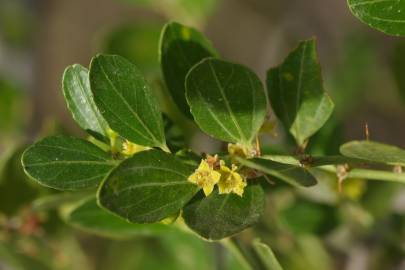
{"x":141,"y":181}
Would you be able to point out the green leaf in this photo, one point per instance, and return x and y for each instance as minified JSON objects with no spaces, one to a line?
{"x":297,"y":95}
{"x":66,"y":163}
{"x":387,"y":16}
{"x":88,"y":216}
{"x":147,"y":187}
{"x":219,"y":216}
{"x":126,"y":101}
{"x":181,"y":47}
{"x":292,"y":174}
{"x":79,"y":99}
{"x":227,"y":100}
{"x":374,"y":151}
{"x":266,"y":255}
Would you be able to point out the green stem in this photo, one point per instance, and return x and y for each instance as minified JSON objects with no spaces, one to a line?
{"x":370,"y":174}
{"x":242,"y":257}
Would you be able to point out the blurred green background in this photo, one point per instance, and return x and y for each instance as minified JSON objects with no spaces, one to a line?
{"x":318,"y":228}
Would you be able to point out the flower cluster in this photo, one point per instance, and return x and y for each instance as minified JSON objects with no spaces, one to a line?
{"x":208,"y":174}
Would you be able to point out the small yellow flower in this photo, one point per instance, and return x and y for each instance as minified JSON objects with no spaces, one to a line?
{"x":230,"y":181}
{"x":129,"y":148}
{"x":240,"y":150}
{"x":205,"y":177}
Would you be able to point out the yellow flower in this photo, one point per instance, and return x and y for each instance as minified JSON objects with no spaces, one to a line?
{"x":129,"y":148}
{"x":240,"y":150}
{"x":230,"y":181}
{"x":205,"y":177}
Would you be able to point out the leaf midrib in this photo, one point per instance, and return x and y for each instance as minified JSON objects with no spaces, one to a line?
{"x":157,"y":142}
{"x":67,"y":162}
{"x":299,"y":88}
{"x":214,"y":115}
{"x":73,"y":150}
{"x":87,"y":98}
{"x":227,"y":105}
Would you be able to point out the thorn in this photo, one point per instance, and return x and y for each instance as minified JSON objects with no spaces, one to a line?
{"x":268,"y":180}
{"x":341,"y":173}
{"x":258,"y":151}
{"x":306,"y":160}
{"x":366,"y":131}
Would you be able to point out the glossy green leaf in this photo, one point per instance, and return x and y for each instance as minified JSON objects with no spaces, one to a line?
{"x":66,"y":163}
{"x":292,"y":174}
{"x":126,"y":101}
{"x":219,"y":216}
{"x":227,"y":100}
{"x":181,"y":47}
{"x":89,"y":217}
{"x":147,"y":187}
{"x":79,"y":99}
{"x":374,"y":151}
{"x":266,"y":255}
{"x":297,"y":95}
{"x":387,"y":16}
